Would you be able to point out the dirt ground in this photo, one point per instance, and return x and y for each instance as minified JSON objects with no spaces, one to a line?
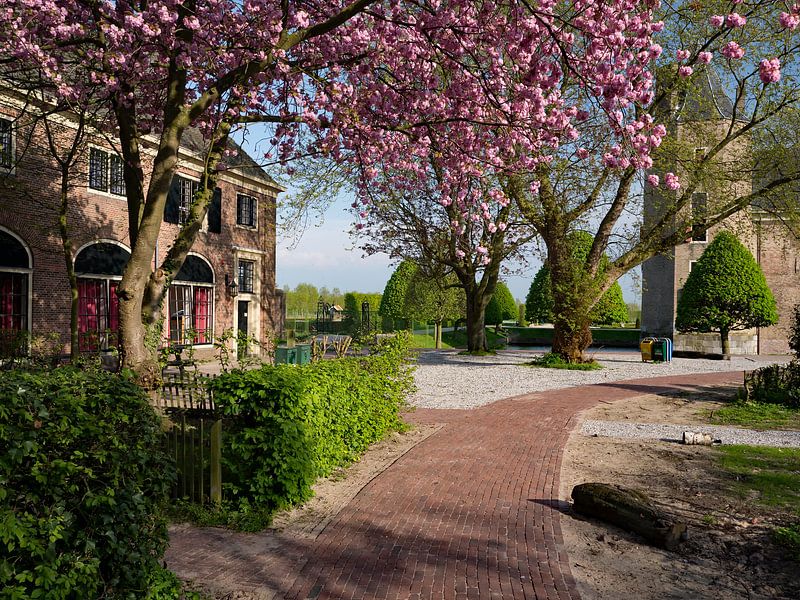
{"x":728,"y":554}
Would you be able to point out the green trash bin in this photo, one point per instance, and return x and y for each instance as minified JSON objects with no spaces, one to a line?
{"x":303,"y":354}
{"x":660,"y":350}
{"x":285,"y":356}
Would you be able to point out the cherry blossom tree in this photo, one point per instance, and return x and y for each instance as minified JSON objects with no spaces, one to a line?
{"x":725,"y":100}
{"x":378,"y":83}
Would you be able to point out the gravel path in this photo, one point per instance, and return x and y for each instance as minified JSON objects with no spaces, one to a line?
{"x":727,"y":435}
{"x":446,"y":379}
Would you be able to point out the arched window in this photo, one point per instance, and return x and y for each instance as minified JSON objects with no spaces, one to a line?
{"x":191,"y":303}
{"x":15,"y":286}
{"x":99,"y":267}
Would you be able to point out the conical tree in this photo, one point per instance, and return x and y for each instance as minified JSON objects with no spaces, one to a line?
{"x":501,"y":306}
{"x":393,"y":301}
{"x":725,"y":291}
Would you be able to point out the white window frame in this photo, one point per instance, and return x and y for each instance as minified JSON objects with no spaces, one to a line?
{"x":110,"y":156}
{"x":192,"y":284}
{"x":254,"y":199}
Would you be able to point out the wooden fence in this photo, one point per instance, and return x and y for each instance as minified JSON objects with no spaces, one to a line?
{"x":193,"y":437}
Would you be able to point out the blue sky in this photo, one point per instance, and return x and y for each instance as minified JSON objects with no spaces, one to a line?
{"x":326,"y":256}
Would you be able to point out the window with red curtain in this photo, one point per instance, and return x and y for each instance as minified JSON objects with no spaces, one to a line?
{"x":191,"y":309}
{"x":13,"y":310}
{"x":201,"y":317}
{"x":98,"y":313}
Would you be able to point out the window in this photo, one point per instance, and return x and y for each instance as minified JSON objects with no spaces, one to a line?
{"x":699,"y":214}
{"x":191,"y":303}
{"x":246,"y":210}
{"x":99,"y":269}
{"x":214,"y":216}
{"x":14,"y":295}
{"x":246,"y":271}
{"x":106,"y":172}
{"x":179,"y":199}
{"x":6,"y":144}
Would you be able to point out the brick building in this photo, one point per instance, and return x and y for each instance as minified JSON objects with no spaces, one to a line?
{"x":698,"y":120}
{"x":228,"y":280}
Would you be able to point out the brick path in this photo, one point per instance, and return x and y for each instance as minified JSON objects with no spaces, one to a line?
{"x":471,"y":512}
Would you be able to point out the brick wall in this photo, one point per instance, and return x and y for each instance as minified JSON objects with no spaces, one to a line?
{"x":29,"y":199}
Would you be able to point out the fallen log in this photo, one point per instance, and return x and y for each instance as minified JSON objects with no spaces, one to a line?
{"x":631,"y":510}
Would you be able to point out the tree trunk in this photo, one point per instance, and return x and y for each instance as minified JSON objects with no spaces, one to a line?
{"x":66,"y":244}
{"x":724,"y":335}
{"x":573,"y":298}
{"x":570,"y":339}
{"x":629,"y":509}
{"x":437,"y":334}
{"x":476,"y":329}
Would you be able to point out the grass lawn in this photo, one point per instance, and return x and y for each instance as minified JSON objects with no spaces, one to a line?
{"x":756,"y":415}
{"x":772,"y":473}
{"x":456,"y":339}
{"x":772,"y":477}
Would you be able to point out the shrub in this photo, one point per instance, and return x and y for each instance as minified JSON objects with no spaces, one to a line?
{"x":298,"y":423}
{"x":556,"y":361}
{"x":775,"y":384}
{"x":82,"y":484}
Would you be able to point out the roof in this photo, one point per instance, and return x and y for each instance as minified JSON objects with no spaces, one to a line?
{"x":239,"y":161}
{"x":705,"y":99}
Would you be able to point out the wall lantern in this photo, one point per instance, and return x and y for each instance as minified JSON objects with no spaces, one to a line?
{"x":230,"y":285}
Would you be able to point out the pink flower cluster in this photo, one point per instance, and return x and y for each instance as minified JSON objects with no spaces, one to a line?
{"x":769,"y":70}
{"x":791,"y":20}
{"x":732,"y":50}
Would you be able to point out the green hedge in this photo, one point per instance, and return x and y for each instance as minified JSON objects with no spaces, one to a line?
{"x":609,"y":336}
{"x":297,"y":423}
{"x":82,"y":484}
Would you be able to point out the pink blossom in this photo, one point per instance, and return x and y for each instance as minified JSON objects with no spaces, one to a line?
{"x":704,"y":57}
{"x":653,"y":180}
{"x":671,"y":181}
{"x":685,"y":71}
{"x":732,"y":50}
{"x":789,"y":21}
{"x":716,"y":20}
{"x":770,"y":70}
{"x":682,"y":54}
{"x":736,"y":20}
{"x":582,"y":153}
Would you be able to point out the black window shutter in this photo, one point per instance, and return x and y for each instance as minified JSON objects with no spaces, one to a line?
{"x":215,"y":212}
{"x":171,"y":210}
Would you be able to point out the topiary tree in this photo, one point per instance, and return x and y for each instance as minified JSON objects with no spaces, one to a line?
{"x":393,"y":301}
{"x":352,"y":312}
{"x":521,"y":320}
{"x":611,"y":308}
{"x":539,"y":301}
{"x":725,"y":291}
{"x":501,"y":306}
